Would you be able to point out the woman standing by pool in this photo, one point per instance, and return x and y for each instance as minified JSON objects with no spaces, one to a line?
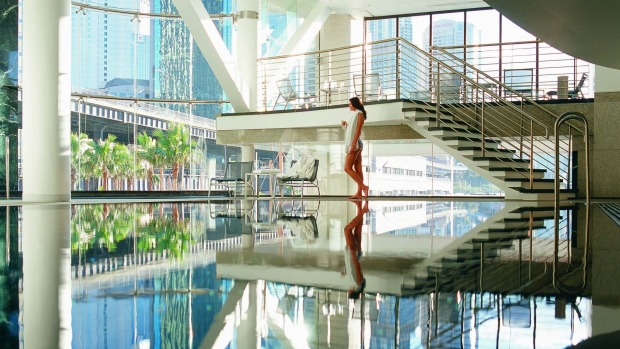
{"x":354,"y":145}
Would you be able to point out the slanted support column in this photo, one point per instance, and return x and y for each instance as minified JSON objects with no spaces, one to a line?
{"x":248,"y":332}
{"x":247,"y":45}
{"x":215,"y":52}
{"x":307,"y":31}
{"x":46,"y":101}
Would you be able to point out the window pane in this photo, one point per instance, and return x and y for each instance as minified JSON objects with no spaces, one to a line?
{"x":448,"y":29}
{"x":512,"y":32}
{"x":483,"y":28}
{"x":415,"y":67}
{"x":381,"y":29}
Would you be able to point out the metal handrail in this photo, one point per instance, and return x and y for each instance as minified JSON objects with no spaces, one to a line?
{"x":499,"y":84}
{"x":136,"y":14}
{"x":487,"y":90}
{"x":497,"y":97}
{"x":556,"y":280}
{"x":309,"y":53}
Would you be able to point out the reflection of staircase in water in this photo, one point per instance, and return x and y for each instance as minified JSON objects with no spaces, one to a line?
{"x":510,"y":252}
{"x":612,"y":210}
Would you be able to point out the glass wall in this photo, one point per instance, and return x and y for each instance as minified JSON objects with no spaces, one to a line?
{"x":10,"y":120}
{"x":391,"y":168}
{"x":139,"y":80}
{"x":491,"y":43}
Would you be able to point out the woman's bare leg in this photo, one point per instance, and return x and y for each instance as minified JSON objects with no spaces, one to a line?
{"x":349,"y":168}
{"x":360,"y":171}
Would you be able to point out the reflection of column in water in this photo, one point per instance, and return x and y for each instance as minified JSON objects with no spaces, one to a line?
{"x":47,"y":276}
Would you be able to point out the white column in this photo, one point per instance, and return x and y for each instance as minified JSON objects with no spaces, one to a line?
{"x":46,"y":101}
{"x":247,"y":45}
{"x":247,"y":154}
{"x":47,"y":276}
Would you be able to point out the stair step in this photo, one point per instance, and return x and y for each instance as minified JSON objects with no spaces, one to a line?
{"x":494,"y":161}
{"x":466,"y":130}
{"x":476,"y":151}
{"x":535,"y":217}
{"x":537,"y":183}
{"x":493,"y":158}
{"x":490,"y":150}
{"x":508,"y":173}
{"x":477,"y":139}
{"x":424,"y":107}
{"x":516,"y":224}
{"x":521,"y":170}
{"x":448,"y":132}
{"x":464,"y":142}
{"x":445,"y":126}
{"x":540,"y":191}
{"x":500,"y":234}
{"x":444,"y":120}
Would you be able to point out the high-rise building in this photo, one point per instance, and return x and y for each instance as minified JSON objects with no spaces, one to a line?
{"x":178,"y":60}
{"x":111,"y":45}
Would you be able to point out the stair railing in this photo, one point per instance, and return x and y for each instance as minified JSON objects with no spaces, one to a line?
{"x":557,"y":284}
{"x":489,"y":115}
{"x":526,"y":144}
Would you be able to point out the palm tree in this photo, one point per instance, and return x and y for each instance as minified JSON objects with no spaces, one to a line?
{"x":79,"y":145}
{"x":150,"y":153}
{"x":89,"y":166}
{"x":103,"y":152}
{"x":123,"y":166}
{"x":176,"y":143}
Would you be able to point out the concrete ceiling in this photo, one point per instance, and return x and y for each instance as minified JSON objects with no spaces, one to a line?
{"x":587,"y":30}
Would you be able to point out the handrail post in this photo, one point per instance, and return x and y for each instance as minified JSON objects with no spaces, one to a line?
{"x":438,"y":93}
{"x":531,"y":154}
{"x":265,"y":87}
{"x":398,"y":65}
{"x":569,"y":158}
{"x":482,"y":138}
{"x":556,"y":216}
{"x":6,"y":165}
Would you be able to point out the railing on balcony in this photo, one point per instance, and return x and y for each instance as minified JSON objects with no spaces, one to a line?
{"x":531,"y":66}
{"x":395,"y":69}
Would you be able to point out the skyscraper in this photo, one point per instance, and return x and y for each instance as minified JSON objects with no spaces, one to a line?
{"x":110,"y":45}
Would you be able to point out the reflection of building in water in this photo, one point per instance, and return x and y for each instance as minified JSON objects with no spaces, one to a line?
{"x":434,"y":218}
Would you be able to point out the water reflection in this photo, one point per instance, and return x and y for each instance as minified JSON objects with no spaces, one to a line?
{"x":353,"y":251}
{"x":269,"y":273}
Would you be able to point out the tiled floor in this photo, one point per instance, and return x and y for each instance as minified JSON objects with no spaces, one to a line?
{"x":283,"y":273}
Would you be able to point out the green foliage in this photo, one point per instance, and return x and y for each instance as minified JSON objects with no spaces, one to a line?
{"x":105,"y":226}
{"x":108,"y":159}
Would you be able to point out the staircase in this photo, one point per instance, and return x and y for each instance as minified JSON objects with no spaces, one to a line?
{"x":497,"y":132}
{"x":491,"y":159}
{"x":470,"y":263}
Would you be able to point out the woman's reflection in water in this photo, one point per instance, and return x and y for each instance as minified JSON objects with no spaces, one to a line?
{"x":353,"y":251}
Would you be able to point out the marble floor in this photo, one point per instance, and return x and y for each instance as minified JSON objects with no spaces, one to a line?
{"x":282,"y":273}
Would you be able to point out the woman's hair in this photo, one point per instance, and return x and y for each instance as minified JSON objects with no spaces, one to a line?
{"x":357,"y":104}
